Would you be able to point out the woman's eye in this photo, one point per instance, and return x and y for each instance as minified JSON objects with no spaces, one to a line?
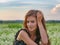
{"x":27,"y":21}
{"x":32,"y":21}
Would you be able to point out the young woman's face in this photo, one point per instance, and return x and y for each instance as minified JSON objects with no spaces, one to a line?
{"x":31,"y":23}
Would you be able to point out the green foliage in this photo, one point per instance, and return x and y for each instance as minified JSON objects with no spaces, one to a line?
{"x":53,"y":30}
{"x":15,"y":25}
{"x":8,"y":31}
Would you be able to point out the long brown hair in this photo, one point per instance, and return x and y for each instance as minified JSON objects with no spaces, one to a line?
{"x":34,"y":13}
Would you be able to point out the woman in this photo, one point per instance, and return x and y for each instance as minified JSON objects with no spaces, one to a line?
{"x":34,"y":32}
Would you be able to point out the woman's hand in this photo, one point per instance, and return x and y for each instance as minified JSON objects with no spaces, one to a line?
{"x":39,"y":18}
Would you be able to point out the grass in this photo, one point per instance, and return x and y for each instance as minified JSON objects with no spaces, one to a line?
{"x":8,"y":31}
{"x":54,"y":33}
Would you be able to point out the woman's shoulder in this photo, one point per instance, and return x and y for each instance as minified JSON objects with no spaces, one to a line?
{"x":23,"y":31}
{"x":23,"y":34}
{"x":17,"y":33}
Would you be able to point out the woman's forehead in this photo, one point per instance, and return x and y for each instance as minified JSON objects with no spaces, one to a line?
{"x":31,"y":18}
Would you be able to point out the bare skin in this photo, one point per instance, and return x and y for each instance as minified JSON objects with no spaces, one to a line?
{"x":24,"y":36}
{"x":41,"y":29}
{"x":31,"y":24}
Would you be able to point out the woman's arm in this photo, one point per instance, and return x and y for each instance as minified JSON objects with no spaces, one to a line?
{"x":24,"y":36}
{"x":43,"y":33}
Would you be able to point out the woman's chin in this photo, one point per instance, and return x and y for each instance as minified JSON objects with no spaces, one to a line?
{"x":31,"y":30}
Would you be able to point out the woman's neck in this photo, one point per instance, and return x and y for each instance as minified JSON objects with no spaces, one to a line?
{"x":32,"y":33}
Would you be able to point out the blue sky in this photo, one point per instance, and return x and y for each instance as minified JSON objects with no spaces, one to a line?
{"x":8,"y":8}
{"x":27,"y":2}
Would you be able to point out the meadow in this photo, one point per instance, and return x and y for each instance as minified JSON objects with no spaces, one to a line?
{"x":8,"y":31}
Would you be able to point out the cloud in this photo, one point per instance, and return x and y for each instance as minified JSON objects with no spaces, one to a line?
{"x":26,"y":2}
{"x":55,"y":13}
{"x":56,"y":9}
{"x":15,"y":9}
{"x":5,"y":1}
{"x":53,"y":2}
{"x":58,"y":1}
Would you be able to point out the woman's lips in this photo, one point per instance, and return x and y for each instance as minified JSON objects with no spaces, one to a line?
{"x":30,"y":27}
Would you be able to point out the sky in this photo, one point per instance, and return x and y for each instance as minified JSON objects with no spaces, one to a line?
{"x":17,"y":9}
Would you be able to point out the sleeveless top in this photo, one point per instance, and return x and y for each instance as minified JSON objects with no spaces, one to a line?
{"x":21,"y":42}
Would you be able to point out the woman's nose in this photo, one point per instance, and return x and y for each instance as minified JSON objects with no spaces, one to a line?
{"x":30,"y":24}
